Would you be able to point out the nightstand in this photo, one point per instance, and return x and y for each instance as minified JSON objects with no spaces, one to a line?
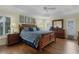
{"x":13,"y":38}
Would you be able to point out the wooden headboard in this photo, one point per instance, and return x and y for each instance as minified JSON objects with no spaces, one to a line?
{"x":25,"y":25}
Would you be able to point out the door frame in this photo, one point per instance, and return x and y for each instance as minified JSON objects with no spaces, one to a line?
{"x":74,"y":32}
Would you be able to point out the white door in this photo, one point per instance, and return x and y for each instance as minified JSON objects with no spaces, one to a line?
{"x":71,"y":28}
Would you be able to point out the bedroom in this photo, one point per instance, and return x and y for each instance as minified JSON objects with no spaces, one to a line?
{"x":43,"y":17}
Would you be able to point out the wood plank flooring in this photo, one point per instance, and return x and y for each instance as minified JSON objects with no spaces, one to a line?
{"x":62,"y":46}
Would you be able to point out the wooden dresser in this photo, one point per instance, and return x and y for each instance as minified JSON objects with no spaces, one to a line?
{"x":60,"y":33}
{"x":13,"y":38}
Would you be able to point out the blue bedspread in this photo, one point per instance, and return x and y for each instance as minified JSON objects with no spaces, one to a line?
{"x":32,"y":36}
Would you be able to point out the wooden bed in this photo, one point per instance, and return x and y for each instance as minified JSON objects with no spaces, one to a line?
{"x":45,"y":38}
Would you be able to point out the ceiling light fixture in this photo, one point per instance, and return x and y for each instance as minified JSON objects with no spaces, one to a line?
{"x":47,"y":10}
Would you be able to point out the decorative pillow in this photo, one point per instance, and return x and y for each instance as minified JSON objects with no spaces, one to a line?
{"x":30,"y":29}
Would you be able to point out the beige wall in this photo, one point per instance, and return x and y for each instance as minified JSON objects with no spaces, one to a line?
{"x":77,"y":23}
{"x":42,"y":24}
{"x":14,"y":23}
{"x":14,"y":20}
{"x":76,"y":18}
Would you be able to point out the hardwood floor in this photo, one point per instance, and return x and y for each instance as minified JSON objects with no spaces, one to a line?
{"x":62,"y":46}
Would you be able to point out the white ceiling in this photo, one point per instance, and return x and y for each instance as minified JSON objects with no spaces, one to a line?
{"x":53,"y":11}
{"x":38,"y":10}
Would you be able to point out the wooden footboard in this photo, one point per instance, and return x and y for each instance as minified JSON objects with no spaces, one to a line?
{"x":46,"y":39}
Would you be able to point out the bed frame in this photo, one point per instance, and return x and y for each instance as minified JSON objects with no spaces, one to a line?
{"x":45,"y":38}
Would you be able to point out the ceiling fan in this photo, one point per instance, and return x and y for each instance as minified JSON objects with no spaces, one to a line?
{"x":47,"y":10}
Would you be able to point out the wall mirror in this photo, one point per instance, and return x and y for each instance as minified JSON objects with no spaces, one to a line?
{"x":58,"y":23}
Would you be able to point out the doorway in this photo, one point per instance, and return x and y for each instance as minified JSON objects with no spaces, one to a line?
{"x":71,"y":28}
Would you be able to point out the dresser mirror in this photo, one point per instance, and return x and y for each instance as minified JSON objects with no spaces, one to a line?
{"x":58,"y":23}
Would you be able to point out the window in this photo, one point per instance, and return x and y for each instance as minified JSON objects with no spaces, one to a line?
{"x":7,"y":25}
{"x":4,"y":25}
{"x":22,"y":19}
{"x":26,"y":20}
{"x":1,"y":28}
